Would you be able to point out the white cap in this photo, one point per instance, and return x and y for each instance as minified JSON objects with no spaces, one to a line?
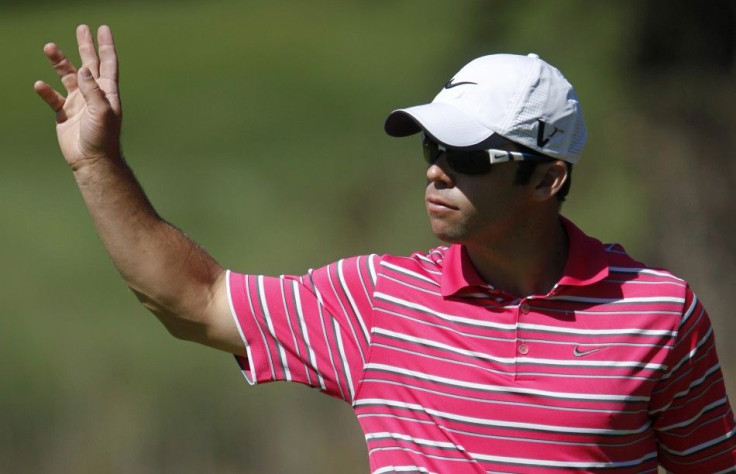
{"x":521,"y":98}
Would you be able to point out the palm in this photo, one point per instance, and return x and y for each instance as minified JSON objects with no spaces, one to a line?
{"x":83,"y":134}
{"x":69,"y":128}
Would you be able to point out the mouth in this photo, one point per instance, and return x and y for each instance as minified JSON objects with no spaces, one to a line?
{"x":436,"y":204}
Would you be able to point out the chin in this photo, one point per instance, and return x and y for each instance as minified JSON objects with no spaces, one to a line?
{"x":448,"y":236}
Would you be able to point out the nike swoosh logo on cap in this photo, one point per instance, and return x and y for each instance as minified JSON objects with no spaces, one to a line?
{"x":579,"y":353}
{"x":450,"y":84}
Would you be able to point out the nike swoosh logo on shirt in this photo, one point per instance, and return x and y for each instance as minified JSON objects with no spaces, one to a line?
{"x":579,"y":353}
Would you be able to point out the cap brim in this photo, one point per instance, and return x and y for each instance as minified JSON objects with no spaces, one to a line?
{"x":443,"y":122}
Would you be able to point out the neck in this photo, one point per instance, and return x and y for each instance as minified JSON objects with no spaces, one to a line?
{"x":530,"y":262}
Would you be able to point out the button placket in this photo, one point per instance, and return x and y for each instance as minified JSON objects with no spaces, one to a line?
{"x":522,"y":348}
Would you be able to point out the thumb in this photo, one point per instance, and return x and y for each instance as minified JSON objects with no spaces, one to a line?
{"x":93,"y":95}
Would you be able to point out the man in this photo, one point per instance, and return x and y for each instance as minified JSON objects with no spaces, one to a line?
{"x":523,"y":346}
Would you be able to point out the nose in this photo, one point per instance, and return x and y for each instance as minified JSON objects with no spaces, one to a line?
{"x":438,"y":173}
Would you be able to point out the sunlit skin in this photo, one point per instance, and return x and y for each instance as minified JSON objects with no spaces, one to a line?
{"x":188,"y":295}
{"x":512,"y":232}
{"x":470,"y":208}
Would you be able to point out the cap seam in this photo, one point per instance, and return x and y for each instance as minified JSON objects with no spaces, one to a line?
{"x":517,"y":99}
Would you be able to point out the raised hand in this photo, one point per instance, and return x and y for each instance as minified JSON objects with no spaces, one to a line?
{"x":88,"y":119}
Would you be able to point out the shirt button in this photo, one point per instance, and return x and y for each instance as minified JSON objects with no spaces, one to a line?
{"x":523,"y":349}
{"x":524,"y":308}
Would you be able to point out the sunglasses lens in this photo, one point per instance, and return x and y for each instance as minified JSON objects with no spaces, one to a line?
{"x":465,"y":162}
{"x":469,"y":162}
{"x":431,"y":151}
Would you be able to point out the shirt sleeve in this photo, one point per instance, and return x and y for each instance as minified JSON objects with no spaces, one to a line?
{"x":312,"y":329}
{"x":691,"y":413}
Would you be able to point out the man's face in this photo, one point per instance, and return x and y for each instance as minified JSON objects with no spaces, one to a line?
{"x":474,"y":209}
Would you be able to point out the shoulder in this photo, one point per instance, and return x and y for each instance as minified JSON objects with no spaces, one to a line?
{"x":363,"y":268}
{"x":370,"y":268}
{"x":619,"y":261}
{"x":429,"y":261}
{"x":642,"y":280}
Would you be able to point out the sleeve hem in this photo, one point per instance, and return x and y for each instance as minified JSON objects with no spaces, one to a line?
{"x":245,"y":363}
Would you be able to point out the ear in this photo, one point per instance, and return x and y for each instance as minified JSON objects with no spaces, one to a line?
{"x":548,"y":179}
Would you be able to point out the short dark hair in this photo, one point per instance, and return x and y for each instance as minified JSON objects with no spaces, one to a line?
{"x":525,"y":169}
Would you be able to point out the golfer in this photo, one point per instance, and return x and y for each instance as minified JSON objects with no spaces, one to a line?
{"x":521,"y":345}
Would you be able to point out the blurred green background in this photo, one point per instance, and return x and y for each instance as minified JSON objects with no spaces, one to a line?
{"x":257,"y":128}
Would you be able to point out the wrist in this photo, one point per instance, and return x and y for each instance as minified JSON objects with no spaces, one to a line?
{"x":93,"y":167}
{"x":93,"y":161}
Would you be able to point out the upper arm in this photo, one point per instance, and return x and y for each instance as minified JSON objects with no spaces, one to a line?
{"x":313,"y":329}
{"x":205,"y":317}
{"x":221,"y":331}
{"x":691,"y":412}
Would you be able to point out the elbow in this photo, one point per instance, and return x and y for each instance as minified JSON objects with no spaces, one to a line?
{"x":201,"y":316}
{"x":182,"y":330}
{"x":178,"y":326}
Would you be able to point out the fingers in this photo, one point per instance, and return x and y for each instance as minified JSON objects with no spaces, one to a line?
{"x":52,"y":98}
{"x":96,"y":78}
{"x":87,"y":52}
{"x":63,"y":67}
{"x":108,"y":56}
{"x":93,"y":95}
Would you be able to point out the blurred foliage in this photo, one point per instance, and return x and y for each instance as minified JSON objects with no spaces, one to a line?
{"x":257,"y":128}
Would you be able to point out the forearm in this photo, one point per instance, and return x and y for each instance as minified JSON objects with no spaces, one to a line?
{"x":169,"y":273}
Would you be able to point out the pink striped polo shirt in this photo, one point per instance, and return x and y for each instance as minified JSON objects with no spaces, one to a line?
{"x":615,"y":369}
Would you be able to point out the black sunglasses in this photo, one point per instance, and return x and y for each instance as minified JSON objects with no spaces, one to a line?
{"x":473,"y":161}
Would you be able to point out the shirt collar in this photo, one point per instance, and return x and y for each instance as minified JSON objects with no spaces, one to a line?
{"x":587,"y":263}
